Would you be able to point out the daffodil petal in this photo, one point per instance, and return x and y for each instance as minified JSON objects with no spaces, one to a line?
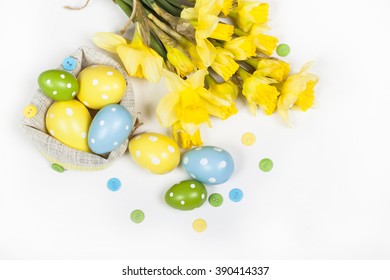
{"x":206,"y":51}
{"x":173,"y":82}
{"x":165,"y":111}
{"x":197,"y":79}
{"x":108,"y":41}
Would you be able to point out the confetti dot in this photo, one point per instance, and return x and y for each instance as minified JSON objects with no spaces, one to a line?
{"x":199,"y":225}
{"x":137,"y":216}
{"x":95,"y":82}
{"x":204,"y":161}
{"x":248,"y":139}
{"x":236,"y":195}
{"x":216,"y":200}
{"x":30,"y":111}
{"x":283,"y":50}
{"x":69,"y":112}
{"x":114,"y":184}
{"x":266,"y":165}
{"x":57,"y":167}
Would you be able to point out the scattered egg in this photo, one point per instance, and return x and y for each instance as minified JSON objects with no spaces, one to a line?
{"x":186,"y":195}
{"x":155,"y":152}
{"x":59,"y":85}
{"x":208,"y":164}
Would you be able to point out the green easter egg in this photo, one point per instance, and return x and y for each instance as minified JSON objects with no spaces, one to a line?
{"x":186,"y":195}
{"x":58,"y":85}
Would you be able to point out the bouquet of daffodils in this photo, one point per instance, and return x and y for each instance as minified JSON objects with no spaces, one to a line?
{"x":209,"y":52}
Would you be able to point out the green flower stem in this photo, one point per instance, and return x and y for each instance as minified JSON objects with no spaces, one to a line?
{"x":252,"y":62}
{"x":239,"y":32}
{"x":243,"y":73}
{"x":165,"y":5}
{"x":166,"y":28}
{"x":154,"y":42}
{"x":210,"y":80}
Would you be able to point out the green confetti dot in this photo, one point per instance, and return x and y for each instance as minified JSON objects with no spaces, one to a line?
{"x":57,"y":168}
{"x":283,"y":50}
{"x":137,"y":216}
{"x":216,"y":200}
{"x":266,"y":165}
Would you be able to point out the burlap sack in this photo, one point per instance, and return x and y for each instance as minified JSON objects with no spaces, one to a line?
{"x":55,"y":151}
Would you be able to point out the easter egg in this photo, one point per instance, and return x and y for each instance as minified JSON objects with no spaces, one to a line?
{"x":208,"y":164}
{"x":109,"y":128}
{"x":155,"y":152}
{"x":58,"y":84}
{"x":100,"y":85}
{"x":68,"y":122}
{"x":186,"y":195}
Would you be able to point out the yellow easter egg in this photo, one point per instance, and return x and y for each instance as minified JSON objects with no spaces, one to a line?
{"x":100,"y":85}
{"x":68,"y":122}
{"x":155,"y":152}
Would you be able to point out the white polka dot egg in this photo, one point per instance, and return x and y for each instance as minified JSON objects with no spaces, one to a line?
{"x":68,"y":122}
{"x":155,"y":152}
{"x":109,"y":128}
{"x":209,"y":165}
{"x":100,"y":85}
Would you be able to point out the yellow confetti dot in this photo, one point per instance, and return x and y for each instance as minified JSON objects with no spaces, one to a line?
{"x":248,"y":139}
{"x":199,"y":225}
{"x":30,"y":111}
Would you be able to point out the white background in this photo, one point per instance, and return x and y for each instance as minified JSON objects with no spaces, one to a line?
{"x":328,"y":196}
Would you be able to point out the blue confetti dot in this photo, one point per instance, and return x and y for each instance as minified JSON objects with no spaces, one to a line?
{"x":69,"y":63}
{"x":114,"y":184}
{"x":236,"y":195}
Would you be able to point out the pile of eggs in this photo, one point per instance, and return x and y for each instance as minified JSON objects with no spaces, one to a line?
{"x":86,"y":116}
{"x":96,"y":90}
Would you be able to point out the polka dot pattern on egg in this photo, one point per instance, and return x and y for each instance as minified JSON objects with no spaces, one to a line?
{"x":155,"y":152}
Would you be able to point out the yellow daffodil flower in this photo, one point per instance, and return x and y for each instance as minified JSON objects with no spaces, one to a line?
{"x":273,"y":68}
{"x":241,"y":47}
{"x":264,"y":43}
{"x":182,"y":63}
{"x":259,"y":92}
{"x":226,"y":7}
{"x":247,"y":13}
{"x":297,"y":91}
{"x":223,"y":32}
{"x":224,"y":63}
{"x":204,"y":17}
{"x":185,"y":140}
{"x":183,"y":103}
{"x":139,"y":60}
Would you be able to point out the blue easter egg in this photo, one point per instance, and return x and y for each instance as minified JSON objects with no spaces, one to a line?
{"x":208,"y":164}
{"x":109,"y":129}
